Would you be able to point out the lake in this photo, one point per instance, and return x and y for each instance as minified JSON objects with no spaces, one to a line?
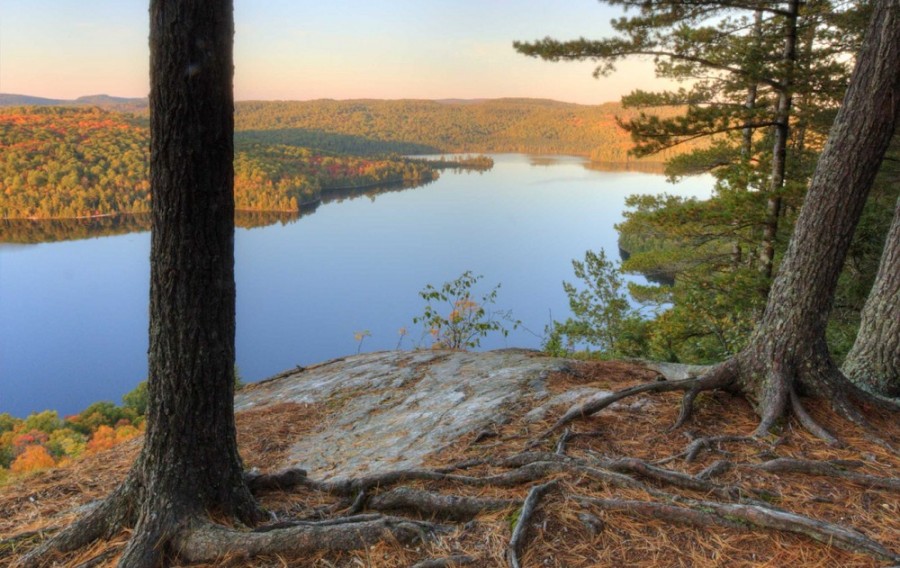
{"x":74,"y":313}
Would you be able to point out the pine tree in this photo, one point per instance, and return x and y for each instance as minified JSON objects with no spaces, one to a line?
{"x":766,"y":80}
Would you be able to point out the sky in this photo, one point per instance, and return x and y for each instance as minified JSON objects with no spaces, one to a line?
{"x":312,"y":49}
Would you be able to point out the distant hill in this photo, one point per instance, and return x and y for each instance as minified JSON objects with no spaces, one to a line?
{"x":103,"y":101}
{"x":372,"y":127}
{"x":413,"y":126}
{"x":9,"y":99}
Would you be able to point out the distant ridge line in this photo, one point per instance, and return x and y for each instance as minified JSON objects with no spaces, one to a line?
{"x":102,"y":100}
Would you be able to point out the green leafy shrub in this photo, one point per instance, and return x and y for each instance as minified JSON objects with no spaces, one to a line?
{"x":602,"y":316}
{"x":454,"y":319}
{"x":136,"y":399}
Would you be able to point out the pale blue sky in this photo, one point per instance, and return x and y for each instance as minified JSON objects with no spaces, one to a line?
{"x":305,"y":49}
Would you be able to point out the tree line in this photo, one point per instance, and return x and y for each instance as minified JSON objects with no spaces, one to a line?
{"x":533,"y":126}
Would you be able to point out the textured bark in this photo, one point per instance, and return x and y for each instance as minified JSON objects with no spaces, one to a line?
{"x":874,"y":361}
{"x":189,"y":467}
{"x":189,"y":463}
{"x":788,"y":350}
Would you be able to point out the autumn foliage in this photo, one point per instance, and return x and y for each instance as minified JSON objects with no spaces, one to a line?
{"x":86,"y":162}
{"x":44,"y":440}
{"x":32,"y":458}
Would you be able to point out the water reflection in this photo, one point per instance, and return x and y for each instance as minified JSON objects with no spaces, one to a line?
{"x":638,"y":167}
{"x":28,"y":231}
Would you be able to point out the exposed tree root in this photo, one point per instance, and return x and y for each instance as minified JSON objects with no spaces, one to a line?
{"x":24,"y":540}
{"x":594,"y":406}
{"x":209,"y":542}
{"x":103,"y":521}
{"x":202,"y":541}
{"x":715,"y":469}
{"x":366,"y":502}
{"x":517,"y":542}
{"x":670,"y":477}
{"x":100,"y":559}
{"x":830,"y":469}
{"x":736,"y":516}
{"x":447,"y":562}
{"x":697,"y":445}
{"x":435,"y":505}
{"x":719,"y":377}
{"x":567,"y":436}
{"x":283,"y":480}
{"x":809,"y":422}
{"x":775,"y":402}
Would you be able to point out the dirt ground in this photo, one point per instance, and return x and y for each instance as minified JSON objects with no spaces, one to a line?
{"x":567,"y":530}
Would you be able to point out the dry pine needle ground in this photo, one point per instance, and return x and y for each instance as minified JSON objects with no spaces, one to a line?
{"x":565,"y":531}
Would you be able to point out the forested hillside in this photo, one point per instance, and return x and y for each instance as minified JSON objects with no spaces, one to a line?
{"x":423,"y":126}
{"x":62,"y":162}
{"x":69,"y":161}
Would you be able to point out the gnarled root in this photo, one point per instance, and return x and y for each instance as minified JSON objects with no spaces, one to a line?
{"x":208,"y":542}
{"x":742,"y":517}
{"x":517,"y":542}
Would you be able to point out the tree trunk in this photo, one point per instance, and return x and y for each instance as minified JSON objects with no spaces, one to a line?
{"x":874,"y":361}
{"x":190,"y":465}
{"x":787,"y":354}
{"x":779,"y":151}
{"x":752,"y":90}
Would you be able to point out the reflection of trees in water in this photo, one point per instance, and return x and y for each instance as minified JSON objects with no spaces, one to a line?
{"x":640,"y":167}
{"x":26,"y":231}
{"x":644,"y":167}
{"x":257,"y":219}
{"x":653,"y":276}
{"x":350,"y":193}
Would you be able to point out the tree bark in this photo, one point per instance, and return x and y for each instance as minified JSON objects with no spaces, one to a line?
{"x":189,"y":465}
{"x":874,"y":360}
{"x":787,"y":354}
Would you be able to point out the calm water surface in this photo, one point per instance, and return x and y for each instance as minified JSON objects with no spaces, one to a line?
{"x":73,"y":328}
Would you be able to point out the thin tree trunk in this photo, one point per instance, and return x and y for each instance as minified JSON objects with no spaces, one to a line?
{"x":752,"y":90}
{"x":779,"y":150}
{"x":747,"y":135}
{"x":812,"y":22}
{"x":874,"y":360}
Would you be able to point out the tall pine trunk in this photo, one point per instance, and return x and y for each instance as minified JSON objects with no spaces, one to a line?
{"x":189,"y":466}
{"x":787,"y":354}
{"x":874,"y":361}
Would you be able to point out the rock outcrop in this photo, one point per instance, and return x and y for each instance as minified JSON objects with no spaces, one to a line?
{"x":390,"y":410}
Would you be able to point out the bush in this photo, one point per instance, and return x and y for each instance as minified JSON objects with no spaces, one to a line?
{"x":602,"y":317}
{"x":467,"y":320}
{"x":34,"y":458}
{"x":136,"y":400}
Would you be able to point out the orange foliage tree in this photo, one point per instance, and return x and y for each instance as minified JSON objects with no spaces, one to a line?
{"x":34,"y":458}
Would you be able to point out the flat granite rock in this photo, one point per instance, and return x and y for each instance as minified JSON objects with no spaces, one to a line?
{"x":389,"y":410}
